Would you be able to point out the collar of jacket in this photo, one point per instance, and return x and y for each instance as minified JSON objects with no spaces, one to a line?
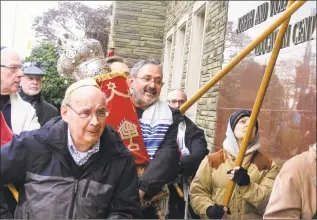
{"x":29,"y":98}
{"x":246,"y":160}
{"x":54,"y":133}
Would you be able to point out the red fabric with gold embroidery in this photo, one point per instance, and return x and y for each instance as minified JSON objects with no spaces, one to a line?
{"x":6,"y":133}
{"x":123,"y":116}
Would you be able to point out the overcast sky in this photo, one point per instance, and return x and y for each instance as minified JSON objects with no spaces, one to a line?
{"x":25,"y":11}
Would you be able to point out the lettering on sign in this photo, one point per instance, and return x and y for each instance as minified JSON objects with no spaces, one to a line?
{"x":297,"y":33}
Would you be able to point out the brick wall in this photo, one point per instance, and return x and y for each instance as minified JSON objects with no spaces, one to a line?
{"x":137,"y":30}
{"x":212,"y":57}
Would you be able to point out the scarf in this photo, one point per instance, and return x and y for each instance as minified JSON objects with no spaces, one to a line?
{"x":181,"y":139}
{"x":230,"y":144}
{"x":32,"y":99}
{"x":155,"y":122}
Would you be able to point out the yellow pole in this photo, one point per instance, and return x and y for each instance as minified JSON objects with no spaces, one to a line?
{"x":14,"y":191}
{"x":287,"y":13}
{"x":258,"y":103}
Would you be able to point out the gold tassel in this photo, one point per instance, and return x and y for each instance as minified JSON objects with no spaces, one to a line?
{"x":106,"y":76}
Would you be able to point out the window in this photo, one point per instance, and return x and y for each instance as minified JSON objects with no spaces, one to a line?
{"x":179,"y":53}
{"x":195,"y":53}
{"x":167,"y":62}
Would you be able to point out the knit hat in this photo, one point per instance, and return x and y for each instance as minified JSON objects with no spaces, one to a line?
{"x":235,"y":117}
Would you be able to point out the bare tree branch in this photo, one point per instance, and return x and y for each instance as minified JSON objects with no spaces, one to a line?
{"x":74,"y":18}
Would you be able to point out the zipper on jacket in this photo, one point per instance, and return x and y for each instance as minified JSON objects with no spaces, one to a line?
{"x":86,"y":186}
{"x":71,"y":211}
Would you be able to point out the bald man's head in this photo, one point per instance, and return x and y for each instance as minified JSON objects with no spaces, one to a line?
{"x":120,"y":67}
{"x":176,"y":98}
{"x":11,"y":72}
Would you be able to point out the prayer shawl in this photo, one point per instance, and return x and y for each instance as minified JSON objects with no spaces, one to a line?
{"x":181,"y":139}
{"x":155,"y":122}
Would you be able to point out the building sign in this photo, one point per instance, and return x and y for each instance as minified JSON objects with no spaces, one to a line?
{"x":288,"y":111}
{"x":299,"y":32}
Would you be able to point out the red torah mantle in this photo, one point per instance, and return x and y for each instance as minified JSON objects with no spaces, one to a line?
{"x":122,"y":115}
{"x":6,"y":133}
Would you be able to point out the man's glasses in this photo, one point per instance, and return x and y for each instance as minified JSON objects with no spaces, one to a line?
{"x":175,"y":101}
{"x":157,"y":81}
{"x":101,"y":114}
{"x":13,"y":69}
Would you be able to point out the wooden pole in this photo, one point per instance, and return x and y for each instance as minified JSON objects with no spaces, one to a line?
{"x":13,"y":191}
{"x":258,"y":103}
{"x":286,"y":15}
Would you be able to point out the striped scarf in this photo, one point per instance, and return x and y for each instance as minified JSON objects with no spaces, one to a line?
{"x":155,"y":122}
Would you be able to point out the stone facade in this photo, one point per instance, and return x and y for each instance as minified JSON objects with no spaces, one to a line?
{"x":212,"y":56}
{"x":137,"y":30}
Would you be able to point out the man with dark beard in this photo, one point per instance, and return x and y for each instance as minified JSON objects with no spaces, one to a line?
{"x":159,"y":125}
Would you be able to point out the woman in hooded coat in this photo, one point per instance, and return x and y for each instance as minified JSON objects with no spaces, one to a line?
{"x":254,"y":179}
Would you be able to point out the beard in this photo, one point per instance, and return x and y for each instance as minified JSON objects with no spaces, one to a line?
{"x":32,"y":92}
{"x":144,"y":97}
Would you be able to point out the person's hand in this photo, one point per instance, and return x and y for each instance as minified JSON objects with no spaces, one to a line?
{"x":142,"y":194}
{"x":217,"y":211}
{"x":239,"y":175}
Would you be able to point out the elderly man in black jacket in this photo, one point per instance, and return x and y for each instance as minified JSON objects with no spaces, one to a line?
{"x":30,"y":91}
{"x":193,"y":147}
{"x":75,"y":166}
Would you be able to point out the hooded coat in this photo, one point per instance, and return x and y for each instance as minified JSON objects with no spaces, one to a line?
{"x":209,"y":185}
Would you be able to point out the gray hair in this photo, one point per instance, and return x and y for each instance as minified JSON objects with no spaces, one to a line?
{"x":139,"y":65}
{"x":66,"y":100}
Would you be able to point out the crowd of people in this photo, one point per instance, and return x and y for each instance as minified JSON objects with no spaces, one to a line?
{"x":76,"y":164}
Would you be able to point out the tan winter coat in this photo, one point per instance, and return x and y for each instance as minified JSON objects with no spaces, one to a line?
{"x":294,"y":191}
{"x":210,"y":183}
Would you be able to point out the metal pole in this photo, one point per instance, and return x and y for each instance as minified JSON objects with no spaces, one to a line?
{"x":287,"y":13}
{"x":258,"y":103}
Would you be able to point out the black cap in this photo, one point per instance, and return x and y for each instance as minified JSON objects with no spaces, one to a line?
{"x":33,"y":68}
{"x":235,"y":117}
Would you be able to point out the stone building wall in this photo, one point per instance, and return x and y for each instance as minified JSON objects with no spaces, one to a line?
{"x":137,"y":30}
{"x":212,"y":55}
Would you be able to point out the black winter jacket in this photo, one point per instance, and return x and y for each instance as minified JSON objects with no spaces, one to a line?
{"x":196,"y":143}
{"x":55,"y":187}
{"x":44,"y":110}
{"x":164,"y":167}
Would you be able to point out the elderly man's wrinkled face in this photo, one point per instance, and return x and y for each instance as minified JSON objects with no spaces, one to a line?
{"x":31,"y":85}
{"x":146,"y":86}
{"x":11,"y":72}
{"x":241,"y":128}
{"x":85,"y":114}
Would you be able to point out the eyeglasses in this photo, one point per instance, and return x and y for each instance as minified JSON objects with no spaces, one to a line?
{"x":101,"y":114}
{"x":12,"y":68}
{"x":174,"y":101}
{"x":157,"y":81}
